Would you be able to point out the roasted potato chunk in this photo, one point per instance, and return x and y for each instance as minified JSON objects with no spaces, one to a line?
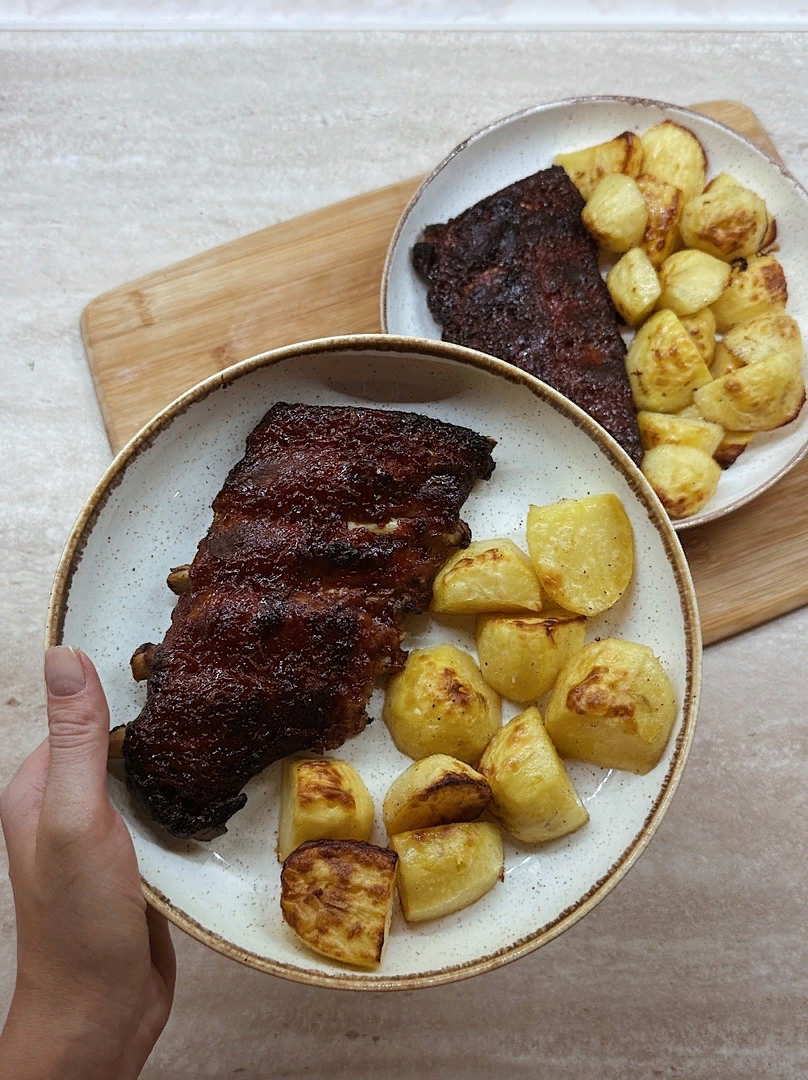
{"x":731,"y":447}
{"x":673,"y":153}
{"x":337,"y":896}
{"x":322,"y":799}
{"x":583,"y":551}
{"x":724,"y":361}
{"x":760,"y":338}
{"x":690,"y":281}
{"x":701,"y":327}
{"x":616,"y":213}
{"x":665,"y":203}
{"x":756,"y":286}
{"x":685,"y":478}
{"x":534,"y":799}
{"x":664,"y":428}
{"x":587,"y":167}
{"x":727,"y":222}
{"x":689,"y":412}
{"x":759,"y":397}
{"x":440,"y":704}
{"x":722,"y":181}
{"x":664,"y":366}
{"x":521,"y":655}
{"x":437,"y":790}
{"x":447,"y":868}
{"x":489,"y":575}
{"x":613,"y":705}
{"x":633,"y":286}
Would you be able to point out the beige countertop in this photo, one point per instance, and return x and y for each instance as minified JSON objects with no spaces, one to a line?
{"x":393,"y":14}
{"x":124,"y":152}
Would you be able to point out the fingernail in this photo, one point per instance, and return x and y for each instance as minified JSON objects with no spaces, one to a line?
{"x":64,"y":675}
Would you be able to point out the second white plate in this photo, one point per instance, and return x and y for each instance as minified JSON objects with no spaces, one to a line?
{"x":519,"y":145}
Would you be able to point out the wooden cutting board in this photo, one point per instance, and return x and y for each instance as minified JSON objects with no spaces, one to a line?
{"x":319,"y":275}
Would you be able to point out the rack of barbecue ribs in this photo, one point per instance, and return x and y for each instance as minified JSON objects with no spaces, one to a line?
{"x":516,"y":276}
{"x":326,"y":534}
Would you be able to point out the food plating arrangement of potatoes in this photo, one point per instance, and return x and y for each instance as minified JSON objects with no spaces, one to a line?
{"x":610,"y":703}
{"x":695,"y":263}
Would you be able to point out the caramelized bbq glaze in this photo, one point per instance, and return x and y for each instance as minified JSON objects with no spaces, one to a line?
{"x":516,"y":275}
{"x":325,"y":535}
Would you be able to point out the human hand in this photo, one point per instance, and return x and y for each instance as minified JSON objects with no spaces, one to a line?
{"x":95,"y":964}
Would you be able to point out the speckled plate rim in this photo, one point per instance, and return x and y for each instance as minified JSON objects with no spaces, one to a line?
{"x":346,"y":979}
{"x":613,"y":99}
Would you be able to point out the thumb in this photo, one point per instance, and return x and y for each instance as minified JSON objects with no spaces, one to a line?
{"x":78,"y":726}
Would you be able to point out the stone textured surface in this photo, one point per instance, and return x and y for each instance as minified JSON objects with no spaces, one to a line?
{"x":122,"y":153}
{"x":392,"y":14}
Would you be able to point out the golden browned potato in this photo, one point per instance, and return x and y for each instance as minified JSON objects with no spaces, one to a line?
{"x":489,"y":575}
{"x":721,"y":181}
{"x":684,"y":477}
{"x":701,"y":327}
{"x":447,"y":868}
{"x":724,"y":361}
{"x":665,"y":203}
{"x":613,"y":705}
{"x":724,"y":181}
{"x":633,"y":286}
{"x":337,"y":896}
{"x":771,"y":234}
{"x":759,"y":397}
{"x":583,"y":551}
{"x":689,"y":412}
{"x":756,"y":286}
{"x":322,"y":799}
{"x":673,"y":153}
{"x":731,"y":447}
{"x":690,"y":281}
{"x":435,"y":791}
{"x":521,"y":655}
{"x":728,"y":222}
{"x":664,"y":366}
{"x":587,"y":167}
{"x":658,"y":428}
{"x":759,"y":338}
{"x":534,"y":799}
{"x":616,"y":213}
{"x":440,"y":704}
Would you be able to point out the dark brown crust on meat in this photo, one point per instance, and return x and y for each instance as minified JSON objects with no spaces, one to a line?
{"x":516,"y":276}
{"x":296,"y":600}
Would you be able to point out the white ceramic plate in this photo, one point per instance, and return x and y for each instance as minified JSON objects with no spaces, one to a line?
{"x":519,"y":145}
{"x":153,"y":506}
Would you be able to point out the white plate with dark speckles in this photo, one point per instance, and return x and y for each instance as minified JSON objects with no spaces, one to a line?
{"x":517,"y":146}
{"x":151,"y":509}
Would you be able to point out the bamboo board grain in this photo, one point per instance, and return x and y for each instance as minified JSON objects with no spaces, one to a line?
{"x":319,"y":275}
